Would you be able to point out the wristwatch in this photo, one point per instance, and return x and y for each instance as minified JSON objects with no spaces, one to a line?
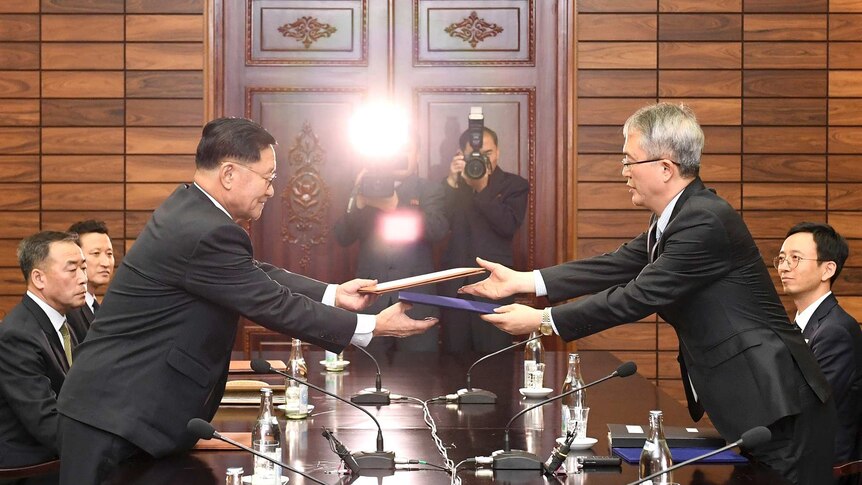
{"x":545,"y":327}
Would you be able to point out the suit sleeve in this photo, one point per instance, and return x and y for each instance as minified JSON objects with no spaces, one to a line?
{"x":354,"y":225}
{"x":833,"y":350}
{"x":297,"y":283}
{"x":432,"y":200}
{"x":504,"y":208}
{"x":26,"y":387}
{"x":695,"y":253}
{"x":221,"y":270}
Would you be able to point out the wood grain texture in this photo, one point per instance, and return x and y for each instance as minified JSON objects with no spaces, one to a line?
{"x":845,"y":27}
{"x":8,"y":250}
{"x":722,"y":139}
{"x":82,"y":6}
{"x":19,"y":55}
{"x":616,"y":6}
{"x":61,"y":220}
{"x":90,"y":56}
{"x":82,"y":112}
{"x":843,"y":196}
{"x":588,"y":247}
{"x":616,"y":55}
{"x":147,"y":196}
{"x":612,"y":223}
{"x":164,"y":6}
{"x":82,"y":168}
{"x":160,"y":28}
{"x":645,"y":360}
{"x":19,"y":28}
{"x":19,"y":168}
{"x":82,"y":196}
{"x":677,"y":6}
{"x":785,"y":6}
{"x":697,"y":55}
{"x":691,"y":83}
{"x":145,"y":141}
{"x":622,"y":27}
{"x":845,"y":112}
{"x":164,"y":112}
{"x":19,"y":112}
{"x":18,"y":224}
{"x":714,"y":111}
{"x":609,"y":111}
{"x":164,"y":84}
{"x":12,"y":282}
{"x":603,"y":195}
{"x":846,"y":223}
{"x":849,"y":282}
{"x":82,"y":28}
{"x":19,"y":6}
{"x":774,"y":224}
{"x":784,"y":112}
{"x":604,"y":167}
{"x":844,"y":6}
{"x":135,"y":222}
{"x":616,"y":83}
{"x":729,"y":191}
{"x":844,"y":168}
{"x":778,"y":27}
{"x":19,"y":84}
{"x":785,"y":55}
{"x":787,"y":195}
{"x":845,"y":55}
{"x":59,"y":141}
{"x":600,"y":139}
{"x":720,"y":168}
{"x":845,"y":140}
{"x":784,"y":140}
{"x":667,"y":339}
{"x":706,"y":27}
{"x":82,"y":84}
{"x":784,"y":168}
{"x":790,"y":83}
{"x":164,"y":56}
{"x":19,"y":197}
{"x":19,"y":141}
{"x":160,"y":168}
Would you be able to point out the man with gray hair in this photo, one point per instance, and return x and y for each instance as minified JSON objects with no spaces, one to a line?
{"x":698,"y":267}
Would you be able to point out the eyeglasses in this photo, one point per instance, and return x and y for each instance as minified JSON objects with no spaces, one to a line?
{"x":268,"y":178}
{"x":626,"y":163}
{"x":792,"y":261}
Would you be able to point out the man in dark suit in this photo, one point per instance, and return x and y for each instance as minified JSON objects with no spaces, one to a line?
{"x":698,"y":267}
{"x":810,"y":261}
{"x":35,"y":346}
{"x":395,"y":235}
{"x":99,"y":253}
{"x":157,"y":354}
{"x":484,"y":215}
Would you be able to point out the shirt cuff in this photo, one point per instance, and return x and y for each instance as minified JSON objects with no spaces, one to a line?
{"x":365,"y":325}
{"x":553,"y":325}
{"x":329,"y":295}
{"x":541,"y":289}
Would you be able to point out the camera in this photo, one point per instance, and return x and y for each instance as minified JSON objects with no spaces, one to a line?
{"x":475,"y":163}
{"x":380,"y":177}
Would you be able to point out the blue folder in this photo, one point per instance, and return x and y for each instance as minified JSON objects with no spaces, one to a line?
{"x":633,"y":455}
{"x":447,"y":302}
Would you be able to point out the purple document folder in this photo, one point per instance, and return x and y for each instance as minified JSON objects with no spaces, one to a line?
{"x":447,"y":302}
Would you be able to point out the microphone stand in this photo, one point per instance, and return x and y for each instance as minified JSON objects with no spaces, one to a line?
{"x":508,"y":459}
{"x":481,"y":396}
{"x":368,"y":397}
{"x":372,"y":460}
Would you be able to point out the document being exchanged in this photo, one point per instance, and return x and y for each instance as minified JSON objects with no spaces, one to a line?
{"x":420,"y":280}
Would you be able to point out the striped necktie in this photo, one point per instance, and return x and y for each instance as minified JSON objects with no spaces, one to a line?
{"x":67,"y":341}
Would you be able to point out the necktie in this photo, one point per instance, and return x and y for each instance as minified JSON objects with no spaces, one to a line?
{"x":67,"y":342}
{"x":653,"y":240}
{"x":96,"y":305}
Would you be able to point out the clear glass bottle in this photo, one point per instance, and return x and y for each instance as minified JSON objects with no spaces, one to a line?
{"x":233,"y":476}
{"x":656,"y":454}
{"x":266,"y":438}
{"x":296,"y":394}
{"x":534,"y":354}
{"x":577,"y":399}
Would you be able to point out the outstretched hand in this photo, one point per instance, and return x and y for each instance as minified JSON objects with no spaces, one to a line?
{"x":393,"y":322}
{"x":502,"y":282}
{"x":515,"y":319}
{"x":348,"y":297}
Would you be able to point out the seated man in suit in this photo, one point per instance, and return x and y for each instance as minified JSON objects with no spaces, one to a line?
{"x":36,"y":347}
{"x":99,"y":253}
{"x":810,"y":261}
{"x":698,"y":267}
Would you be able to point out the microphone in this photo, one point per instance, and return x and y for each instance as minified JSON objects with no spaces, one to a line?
{"x":750,"y":439}
{"x":203,"y":430}
{"x":558,"y":456}
{"x":369,"y":397}
{"x":374,"y":460}
{"x":469,"y":395}
{"x":508,"y":459}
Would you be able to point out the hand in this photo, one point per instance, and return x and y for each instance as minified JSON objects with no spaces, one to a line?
{"x":501,"y":283}
{"x":478,"y":184}
{"x":455,"y":169}
{"x":347,"y":295}
{"x":515,"y":319}
{"x":393,"y":322}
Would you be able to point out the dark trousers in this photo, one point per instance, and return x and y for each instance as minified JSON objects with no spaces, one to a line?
{"x":802,"y":445}
{"x":89,"y":455}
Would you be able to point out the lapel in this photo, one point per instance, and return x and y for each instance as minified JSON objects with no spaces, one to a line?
{"x":696,"y":185}
{"x":825,"y":307}
{"x":48,"y":330}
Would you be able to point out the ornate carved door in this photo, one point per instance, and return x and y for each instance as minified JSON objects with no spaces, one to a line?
{"x":300,"y":67}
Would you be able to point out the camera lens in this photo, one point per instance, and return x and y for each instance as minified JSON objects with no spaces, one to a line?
{"x":475,"y":166}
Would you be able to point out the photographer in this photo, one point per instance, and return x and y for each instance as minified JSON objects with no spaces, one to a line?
{"x":484,"y":215}
{"x":395,"y":234}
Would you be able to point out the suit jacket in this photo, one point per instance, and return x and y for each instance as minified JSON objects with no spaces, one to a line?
{"x":32,"y":370}
{"x":748,"y":364}
{"x":836,"y":341}
{"x":158,"y":351}
{"x":80,"y":320}
{"x":386,"y":260}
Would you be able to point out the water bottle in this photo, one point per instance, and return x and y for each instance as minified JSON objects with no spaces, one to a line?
{"x":533,"y":354}
{"x":296,"y":394}
{"x":266,"y":439}
{"x":655,"y":456}
{"x":577,"y":399}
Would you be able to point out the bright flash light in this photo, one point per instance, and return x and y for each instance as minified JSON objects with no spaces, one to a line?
{"x":379,"y":130}
{"x":401,"y":227}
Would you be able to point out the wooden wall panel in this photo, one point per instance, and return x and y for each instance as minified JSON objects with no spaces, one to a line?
{"x":19,"y":28}
{"x":81,"y":28}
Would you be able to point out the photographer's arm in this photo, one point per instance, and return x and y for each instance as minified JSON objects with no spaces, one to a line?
{"x":504,"y":204}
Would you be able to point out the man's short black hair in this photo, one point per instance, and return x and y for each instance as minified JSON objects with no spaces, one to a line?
{"x":236,"y":138}
{"x":831,"y":246}
{"x":88,"y":226}
{"x":33,"y":250}
{"x":464,"y":139}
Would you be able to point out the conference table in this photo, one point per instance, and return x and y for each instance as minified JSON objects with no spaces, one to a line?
{"x":467,"y":430}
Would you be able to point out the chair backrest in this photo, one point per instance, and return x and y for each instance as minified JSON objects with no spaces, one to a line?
{"x":31,"y":470}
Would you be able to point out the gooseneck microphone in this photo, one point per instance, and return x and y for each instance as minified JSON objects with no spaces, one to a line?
{"x":469,"y":395}
{"x":372,"y":397}
{"x":750,"y":439}
{"x":203,"y":430}
{"x":508,"y":459}
{"x":372,"y":460}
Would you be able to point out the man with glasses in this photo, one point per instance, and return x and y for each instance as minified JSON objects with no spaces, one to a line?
{"x":157,"y":353}
{"x":698,"y":267}
{"x":810,"y":261}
